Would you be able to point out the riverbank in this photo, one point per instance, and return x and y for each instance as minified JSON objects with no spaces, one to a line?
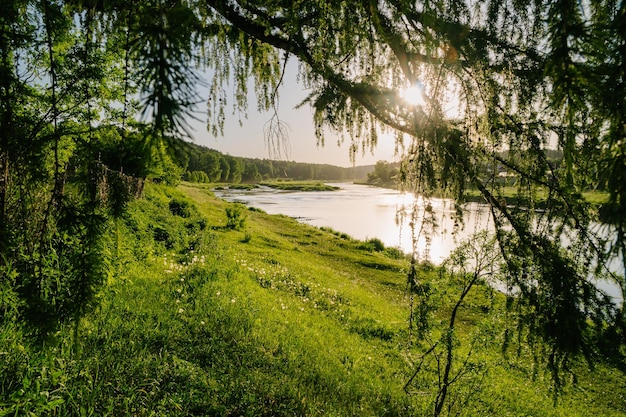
{"x":595,"y":199}
{"x":268,"y":317}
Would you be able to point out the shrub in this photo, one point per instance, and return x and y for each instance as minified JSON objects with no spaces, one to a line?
{"x":377,"y":244}
{"x":373,"y":245}
{"x":181,"y":208}
{"x":235,"y":216}
{"x":395,"y":253}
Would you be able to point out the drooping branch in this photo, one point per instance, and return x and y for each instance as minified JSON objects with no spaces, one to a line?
{"x":502,"y":71}
{"x":379,"y":101}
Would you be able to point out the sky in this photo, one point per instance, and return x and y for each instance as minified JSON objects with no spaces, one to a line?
{"x":248,"y":140}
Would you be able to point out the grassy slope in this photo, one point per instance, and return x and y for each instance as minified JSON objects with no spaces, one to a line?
{"x":276,"y":319}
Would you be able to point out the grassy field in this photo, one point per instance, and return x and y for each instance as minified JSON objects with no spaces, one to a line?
{"x":263,"y":316}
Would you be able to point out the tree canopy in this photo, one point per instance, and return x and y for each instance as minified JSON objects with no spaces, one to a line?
{"x":501,"y":82}
{"x":522,"y":78}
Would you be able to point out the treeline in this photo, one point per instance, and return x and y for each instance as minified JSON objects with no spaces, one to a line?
{"x":203,"y":164}
{"x":385,"y":174}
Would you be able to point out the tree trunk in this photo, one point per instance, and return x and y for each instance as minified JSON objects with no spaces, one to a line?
{"x":6,"y":128}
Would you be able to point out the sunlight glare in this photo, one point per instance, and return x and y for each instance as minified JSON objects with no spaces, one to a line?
{"x":448,"y":97}
{"x":414,"y":94}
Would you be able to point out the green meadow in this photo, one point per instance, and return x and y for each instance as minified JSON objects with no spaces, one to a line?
{"x":214,"y":309}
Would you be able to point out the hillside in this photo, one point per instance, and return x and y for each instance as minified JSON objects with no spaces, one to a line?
{"x":205,"y":165}
{"x":269,"y":317}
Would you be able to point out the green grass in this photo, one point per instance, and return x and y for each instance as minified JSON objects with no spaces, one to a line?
{"x":247,"y":187}
{"x":299,"y":185}
{"x":595,"y":198}
{"x":275,"y":318}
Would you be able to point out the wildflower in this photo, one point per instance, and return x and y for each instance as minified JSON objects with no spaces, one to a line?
{"x":181,"y":310}
{"x":202,"y":322}
{"x":218,"y":293}
{"x":233,"y":300}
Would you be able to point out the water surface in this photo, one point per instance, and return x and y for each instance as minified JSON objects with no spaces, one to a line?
{"x":365,"y":212}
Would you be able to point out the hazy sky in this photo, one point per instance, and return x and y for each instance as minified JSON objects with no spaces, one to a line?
{"x":248,"y":140}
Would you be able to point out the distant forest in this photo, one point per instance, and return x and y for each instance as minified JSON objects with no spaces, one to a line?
{"x":202,"y":164}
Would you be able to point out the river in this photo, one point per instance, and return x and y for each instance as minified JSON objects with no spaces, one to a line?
{"x":365,"y":212}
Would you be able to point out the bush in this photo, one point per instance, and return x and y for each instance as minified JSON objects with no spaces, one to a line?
{"x":373,"y":245}
{"x":395,"y":253}
{"x":166,"y":221}
{"x":235,"y":216}
{"x":181,"y":208}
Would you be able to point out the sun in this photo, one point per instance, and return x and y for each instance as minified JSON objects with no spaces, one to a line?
{"x":414,"y":94}
{"x":448,"y":99}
